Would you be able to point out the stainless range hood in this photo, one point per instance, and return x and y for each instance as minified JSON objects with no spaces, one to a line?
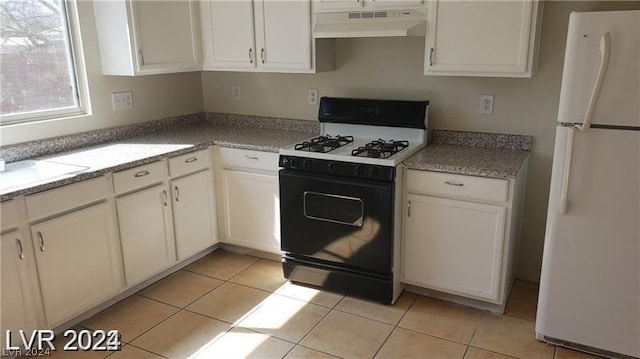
{"x":369,"y":24}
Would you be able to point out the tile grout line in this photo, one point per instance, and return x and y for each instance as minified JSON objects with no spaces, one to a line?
{"x":384,"y":342}
{"x":475,"y":329}
{"x":466,"y":350}
{"x":249,"y":266}
{"x":314,"y":327}
{"x":434,"y":336}
{"x":155,"y":300}
{"x":148,"y":330}
{"x":492,"y":351}
{"x":321,"y":351}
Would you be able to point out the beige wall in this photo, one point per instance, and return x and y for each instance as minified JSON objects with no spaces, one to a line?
{"x":154,"y":96}
{"x":393,"y":69}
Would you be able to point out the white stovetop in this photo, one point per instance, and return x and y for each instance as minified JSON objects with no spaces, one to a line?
{"x":364,"y":134}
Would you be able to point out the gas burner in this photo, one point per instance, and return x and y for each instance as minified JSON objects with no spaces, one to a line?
{"x":324,"y":144}
{"x":380,"y":149}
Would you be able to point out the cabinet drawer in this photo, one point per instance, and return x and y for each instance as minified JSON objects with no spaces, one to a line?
{"x":448,"y":185}
{"x":139,"y":177}
{"x":68,"y":197}
{"x":233,"y":157}
{"x":189,"y":163}
{"x":9,"y":216}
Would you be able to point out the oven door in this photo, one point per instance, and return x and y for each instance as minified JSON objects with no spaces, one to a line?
{"x":337,"y":221}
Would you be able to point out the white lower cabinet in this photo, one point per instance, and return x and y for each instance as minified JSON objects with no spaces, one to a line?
{"x":21,"y":307}
{"x":194,"y":213}
{"x":250,"y":199}
{"x":78,"y":261}
{"x":461,"y":235}
{"x":454,"y":246}
{"x":252,"y":210}
{"x":146,"y":234}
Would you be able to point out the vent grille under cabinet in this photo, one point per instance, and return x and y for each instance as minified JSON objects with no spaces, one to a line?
{"x":388,"y":23}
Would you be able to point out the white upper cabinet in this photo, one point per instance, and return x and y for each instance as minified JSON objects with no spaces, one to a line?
{"x":261,"y":35}
{"x":285,"y":42}
{"x":228,"y":34}
{"x":147,"y":37}
{"x":482,"y":38}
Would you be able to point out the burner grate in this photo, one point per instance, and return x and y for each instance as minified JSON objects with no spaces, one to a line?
{"x":324,"y":144}
{"x":380,"y":149}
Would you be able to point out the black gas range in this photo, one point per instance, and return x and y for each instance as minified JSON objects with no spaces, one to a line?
{"x":340,"y":221}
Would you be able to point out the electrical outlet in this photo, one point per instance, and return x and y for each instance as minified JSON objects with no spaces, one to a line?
{"x":312,"y":98}
{"x":122,"y":100}
{"x":486,"y":104}
{"x":235,"y":92}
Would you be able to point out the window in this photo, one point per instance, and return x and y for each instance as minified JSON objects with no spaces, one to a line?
{"x":40,"y":75}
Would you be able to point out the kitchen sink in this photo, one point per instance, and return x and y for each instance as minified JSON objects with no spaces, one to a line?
{"x":28,"y":173}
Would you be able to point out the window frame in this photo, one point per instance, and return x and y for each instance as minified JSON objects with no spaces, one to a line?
{"x":76,"y":52}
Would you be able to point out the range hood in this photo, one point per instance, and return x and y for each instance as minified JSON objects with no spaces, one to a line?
{"x":369,"y":24}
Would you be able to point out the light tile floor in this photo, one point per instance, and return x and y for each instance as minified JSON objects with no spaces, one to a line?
{"x":228,"y":305}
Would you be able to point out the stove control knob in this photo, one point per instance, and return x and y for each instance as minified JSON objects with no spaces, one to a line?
{"x":373,"y":171}
{"x":307,"y":164}
{"x":295,"y":163}
{"x":284,"y":161}
{"x":331,"y":166}
{"x":358,"y":170}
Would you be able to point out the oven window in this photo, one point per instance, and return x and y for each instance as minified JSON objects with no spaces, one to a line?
{"x":334,"y":208}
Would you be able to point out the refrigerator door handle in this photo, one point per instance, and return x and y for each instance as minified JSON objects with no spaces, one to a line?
{"x":563,"y":206}
{"x":605,"y":57}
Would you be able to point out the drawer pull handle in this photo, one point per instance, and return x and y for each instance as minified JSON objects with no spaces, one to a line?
{"x":409,"y":208}
{"x":454,"y":184}
{"x":190,"y":159}
{"x":164,"y":198}
{"x":41,"y":241}
{"x":141,"y":174}
{"x":251,"y":157}
{"x":177,"y":193}
{"x":21,"y":255}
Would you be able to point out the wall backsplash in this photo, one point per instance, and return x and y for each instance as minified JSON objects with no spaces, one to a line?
{"x":392,"y":68}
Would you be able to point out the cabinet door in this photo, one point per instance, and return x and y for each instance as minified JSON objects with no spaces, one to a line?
{"x":194,"y":213}
{"x":252,"y":210}
{"x":283,"y":34}
{"x":19,"y":288}
{"x":78,"y":261}
{"x":145,"y":233}
{"x":228,"y":34}
{"x":480,"y":38}
{"x":453,"y":246}
{"x":166,"y":35}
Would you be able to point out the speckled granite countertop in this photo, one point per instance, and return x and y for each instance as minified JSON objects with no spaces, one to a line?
{"x":473,"y":154}
{"x":247,"y":132}
{"x":115,"y":149}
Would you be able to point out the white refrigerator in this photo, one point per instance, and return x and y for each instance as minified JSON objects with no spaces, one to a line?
{"x":590,"y":285}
